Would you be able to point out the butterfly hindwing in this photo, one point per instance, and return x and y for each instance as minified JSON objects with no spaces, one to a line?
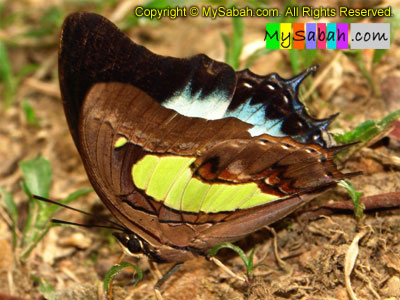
{"x":180,"y":150}
{"x":219,"y":175}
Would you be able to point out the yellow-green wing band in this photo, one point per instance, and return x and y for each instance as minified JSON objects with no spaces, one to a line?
{"x":168,"y":179}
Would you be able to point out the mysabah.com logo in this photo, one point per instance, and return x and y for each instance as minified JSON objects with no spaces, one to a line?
{"x":327,"y":36}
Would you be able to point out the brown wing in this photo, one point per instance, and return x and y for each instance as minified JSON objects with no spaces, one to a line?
{"x":93,"y":50}
{"x":224,"y":152}
{"x":112,"y":89}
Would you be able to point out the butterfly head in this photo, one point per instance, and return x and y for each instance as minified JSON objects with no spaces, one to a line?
{"x":130,"y":242}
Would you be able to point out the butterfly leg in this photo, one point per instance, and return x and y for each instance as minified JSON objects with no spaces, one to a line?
{"x":163,"y":279}
{"x":154,"y":270}
{"x":225,"y":268}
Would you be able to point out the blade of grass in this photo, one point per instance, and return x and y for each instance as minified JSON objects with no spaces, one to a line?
{"x":118,"y":268}
{"x":231,"y":246}
{"x":294,"y":60}
{"x":7,"y":77}
{"x":11,"y":207}
{"x":248,"y":261}
{"x":355,"y":197}
{"x":237,"y":41}
{"x":234,"y":44}
{"x":38,"y":237}
{"x":28,"y":232}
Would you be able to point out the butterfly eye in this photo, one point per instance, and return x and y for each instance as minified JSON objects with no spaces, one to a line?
{"x":130,"y":242}
{"x":134,"y":245}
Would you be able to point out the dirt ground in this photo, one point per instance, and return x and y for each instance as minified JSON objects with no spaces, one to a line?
{"x":312,"y":247}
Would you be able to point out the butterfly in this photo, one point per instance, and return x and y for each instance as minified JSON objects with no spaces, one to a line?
{"x":186,"y":153}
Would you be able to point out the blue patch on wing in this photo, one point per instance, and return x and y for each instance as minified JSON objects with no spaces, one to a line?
{"x":269,"y":103}
{"x":194,"y":104}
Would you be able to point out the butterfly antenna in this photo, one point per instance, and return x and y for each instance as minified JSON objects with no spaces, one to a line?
{"x":57,"y":221}
{"x":77,"y":210}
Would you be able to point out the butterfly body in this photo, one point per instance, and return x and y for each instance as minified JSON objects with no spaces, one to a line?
{"x":181,"y":150}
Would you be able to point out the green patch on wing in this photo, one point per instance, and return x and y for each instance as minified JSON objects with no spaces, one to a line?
{"x":120,"y":142}
{"x":168,"y":179}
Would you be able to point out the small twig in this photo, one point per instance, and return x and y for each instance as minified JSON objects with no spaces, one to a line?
{"x":9,"y":297}
{"x":10,"y":280}
{"x":226,"y":269}
{"x":122,"y":10}
{"x":47,"y":65}
{"x":70,"y":274}
{"x":369,"y":283}
{"x":349,"y":262}
{"x":380,"y":201}
{"x":44,"y":87}
{"x":391,"y":160}
{"x":293,"y":254}
{"x":281,"y":263}
{"x":100,"y":292}
{"x":386,"y":200}
{"x":154,"y":269}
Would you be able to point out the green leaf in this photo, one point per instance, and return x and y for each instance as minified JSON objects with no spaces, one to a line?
{"x":355,"y":197}
{"x":45,"y":288}
{"x":367,"y":130}
{"x":37,"y":175}
{"x":116,"y":269}
{"x":11,"y":207}
{"x":30,"y":115}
